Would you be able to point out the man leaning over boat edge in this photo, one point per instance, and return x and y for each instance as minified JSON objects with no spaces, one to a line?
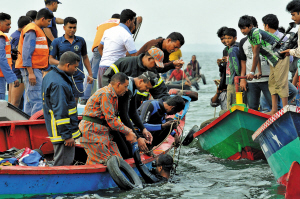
{"x":100,"y":116}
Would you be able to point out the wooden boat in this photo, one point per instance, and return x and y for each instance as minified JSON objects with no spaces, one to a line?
{"x":21,"y":181}
{"x":279,"y":140}
{"x":293,"y":182}
{"x":229,"y":136}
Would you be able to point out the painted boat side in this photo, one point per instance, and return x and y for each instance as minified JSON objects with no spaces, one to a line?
{"x":231,"y":132}
{"x":279,"y":140}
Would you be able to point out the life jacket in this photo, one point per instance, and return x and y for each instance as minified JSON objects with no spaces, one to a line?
{"x":101,"y":28}
{"x":7,"y":50}
{"x":41,"y":52}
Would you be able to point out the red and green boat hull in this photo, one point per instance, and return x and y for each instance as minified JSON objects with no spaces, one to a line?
{"x":229,"y":136}
{"x":279,"y":140}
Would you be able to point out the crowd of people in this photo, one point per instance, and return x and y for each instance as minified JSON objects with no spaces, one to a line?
{"x":266,"y":86}
{"x":48,"y":69}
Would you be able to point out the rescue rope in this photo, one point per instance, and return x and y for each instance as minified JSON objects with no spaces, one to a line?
{"x":86,"y":83}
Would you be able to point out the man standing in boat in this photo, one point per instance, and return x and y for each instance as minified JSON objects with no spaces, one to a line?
{"x":262,"y":43}
{"x":33,"y":57}
{"x":70,"y":42}
{"x":60,"y":110}
{"x":51,"y":30}
{"x":15,"y":94}
{"x":96,"y":58}
{"x":6,"y":74}
{"x":117,"y":42}
{"x":223,"y":61}
{"x":100,"y":116}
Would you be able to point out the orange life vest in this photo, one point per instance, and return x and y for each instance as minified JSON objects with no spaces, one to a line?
{"x":7,"y":50}
{"x":101,"y":28}
{"x":41,"y":53}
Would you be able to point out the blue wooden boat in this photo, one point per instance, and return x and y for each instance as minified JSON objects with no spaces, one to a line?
{"x":279,"y":140}
{"x":24,"y":181}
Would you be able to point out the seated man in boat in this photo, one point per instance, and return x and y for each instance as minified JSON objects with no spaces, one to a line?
{"x":153,"y":115}
{"x":59,"y":108}
{"x":179,"y":76}
{"x":195,"y":66}
{"x":100,"y":118}
{"x":128,"y":113}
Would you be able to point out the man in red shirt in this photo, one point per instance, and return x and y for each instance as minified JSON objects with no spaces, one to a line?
{"x":178,"y":73}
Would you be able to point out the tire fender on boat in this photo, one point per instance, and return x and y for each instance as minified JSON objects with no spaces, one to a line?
{"x":190,"y":136}
{"x":37,"y":115}
{"x":117,"y":168}
{"x":192,"y":94}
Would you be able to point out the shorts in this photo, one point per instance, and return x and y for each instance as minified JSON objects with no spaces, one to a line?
{"x":278,"y":78}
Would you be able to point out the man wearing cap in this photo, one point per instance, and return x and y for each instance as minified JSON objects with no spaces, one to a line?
{"x":135,"y":66}
{"x":51,"y":30}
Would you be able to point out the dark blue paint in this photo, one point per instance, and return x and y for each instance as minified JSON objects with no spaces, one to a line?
{"x":286,"y":128}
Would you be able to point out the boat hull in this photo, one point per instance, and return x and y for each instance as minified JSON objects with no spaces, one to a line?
{"x":229,"y":136}
{"x":279,"y":140}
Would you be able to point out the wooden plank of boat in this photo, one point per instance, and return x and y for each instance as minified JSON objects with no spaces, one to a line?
{"x":229,"y":136}
{"x":279,"y":140}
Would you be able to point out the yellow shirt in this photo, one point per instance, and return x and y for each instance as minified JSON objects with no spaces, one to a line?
{"x":175,"y":55}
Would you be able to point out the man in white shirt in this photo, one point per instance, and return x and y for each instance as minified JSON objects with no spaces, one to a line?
{"x":117,"y":42}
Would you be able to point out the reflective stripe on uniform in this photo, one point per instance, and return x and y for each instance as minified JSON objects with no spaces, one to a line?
{"x":115,"y":68}
{"x":41,"y":39}
{"x":53,"y":124}
{"x":159,"y":82}
{"x":63,"y":121}
{"x":41,"y":46}
{"x":72,"y":111}
{"x":143,"y":94}
{"x":59,"y":138}
{"x":7,"y":43}
{"x":8,"y":56}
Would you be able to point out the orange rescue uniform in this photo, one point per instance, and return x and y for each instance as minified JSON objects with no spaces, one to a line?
{"x":41,"y":53}
{"x":7,"y":51}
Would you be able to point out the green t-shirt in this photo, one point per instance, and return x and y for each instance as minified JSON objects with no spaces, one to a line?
{"x":266,"y":40}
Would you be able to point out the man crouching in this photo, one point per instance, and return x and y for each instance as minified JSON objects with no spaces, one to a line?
{"x":100,"y":116}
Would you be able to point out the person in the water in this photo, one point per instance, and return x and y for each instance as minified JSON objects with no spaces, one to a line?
{"x":164,"y":166}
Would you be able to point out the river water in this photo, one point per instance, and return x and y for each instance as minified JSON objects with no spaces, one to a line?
{"x":200,"y":175}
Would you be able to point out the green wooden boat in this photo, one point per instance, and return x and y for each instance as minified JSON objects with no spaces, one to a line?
{"x":229,"y":136}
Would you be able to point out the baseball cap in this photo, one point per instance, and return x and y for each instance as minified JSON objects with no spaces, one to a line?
{"x":158,"y":56}
{"x":53,"y":0}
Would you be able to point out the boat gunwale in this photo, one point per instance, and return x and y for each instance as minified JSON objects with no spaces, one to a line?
{"x":233,"y":109}
{"x":272,"y":119}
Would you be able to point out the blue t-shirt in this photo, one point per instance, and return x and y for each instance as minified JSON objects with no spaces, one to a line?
{"x":14,"y":41}
{"x":61,"y":45}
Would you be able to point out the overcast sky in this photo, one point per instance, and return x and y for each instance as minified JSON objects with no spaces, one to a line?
{"x":197,"y":20}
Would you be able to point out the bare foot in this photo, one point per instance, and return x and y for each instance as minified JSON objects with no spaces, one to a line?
{"x":271,"y":113}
